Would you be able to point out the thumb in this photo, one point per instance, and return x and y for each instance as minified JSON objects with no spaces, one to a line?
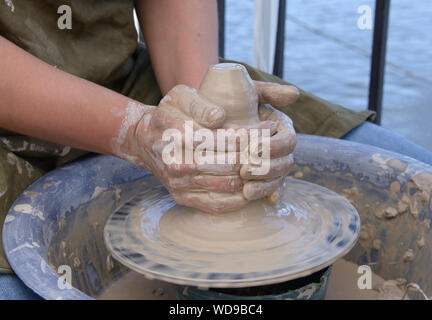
{"x":198,"y":108}
{"x":276,"y":94}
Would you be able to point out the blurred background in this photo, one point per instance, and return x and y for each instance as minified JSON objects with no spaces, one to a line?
{"x":327,"y":54}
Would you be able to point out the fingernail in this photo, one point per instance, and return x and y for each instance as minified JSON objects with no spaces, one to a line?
{"x":252,"y":191}
{"x":274,"y":198}
{"x":215,"y":116}
{"x":273,"y":128}
{"x":296,"y":90}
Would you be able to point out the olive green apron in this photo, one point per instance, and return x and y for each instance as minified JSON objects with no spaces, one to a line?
{"x":102,"y":47}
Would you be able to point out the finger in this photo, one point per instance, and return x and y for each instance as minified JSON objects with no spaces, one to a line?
{"x":170,"y":116}
{"x":236,"y":138}
{"x":276,"y":94}
{"x":179,"y":170}
{"x":231,"y":138}
{"x":274,"y":198}
{"x":210,"y":201}
{"x":279,"y":167}
{"x":284,"y":140}
{"x":204,"y":183}
{"x":225,"y":184}
{"x":199,"y":109}
{"x":254,"y":190}
{"x":266,"y":124}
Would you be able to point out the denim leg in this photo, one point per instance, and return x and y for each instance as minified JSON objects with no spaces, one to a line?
{"x":369,"y":133}
{"x":12,"y":288}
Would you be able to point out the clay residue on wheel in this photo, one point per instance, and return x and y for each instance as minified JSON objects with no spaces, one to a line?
{"x":397,"y":164}
{"x":79,"y":243}
{"x":395,"y":212}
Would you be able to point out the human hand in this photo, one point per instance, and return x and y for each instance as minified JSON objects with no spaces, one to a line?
{"x":282,"y":142}
{"x":208,"y":187}
{"x":212,"y":187}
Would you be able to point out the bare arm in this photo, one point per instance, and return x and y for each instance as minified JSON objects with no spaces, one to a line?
{"x":182,"y":39}
{"x":39,"y":100}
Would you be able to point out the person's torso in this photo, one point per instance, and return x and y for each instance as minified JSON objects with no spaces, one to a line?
{"x":87,"y":38}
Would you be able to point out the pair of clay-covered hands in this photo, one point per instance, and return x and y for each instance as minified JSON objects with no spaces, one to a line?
{"x":217,"y":188}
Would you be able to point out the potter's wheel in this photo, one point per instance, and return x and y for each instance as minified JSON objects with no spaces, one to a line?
{"x":261,"y":244}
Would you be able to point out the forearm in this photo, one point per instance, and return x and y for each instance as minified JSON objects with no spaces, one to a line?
{"x":39,"y":100}
{"x":182,"y":39}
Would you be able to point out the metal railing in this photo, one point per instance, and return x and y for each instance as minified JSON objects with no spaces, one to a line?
{"x":378,"y":60}
{"x":379,"y":45}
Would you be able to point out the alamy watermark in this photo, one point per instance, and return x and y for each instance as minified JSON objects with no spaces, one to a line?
{"x":364,"y":282}
{"x":64,"y":282}
{"x":364,"y":22}
{"x":226,"y":146}
{"x":65,"y":20}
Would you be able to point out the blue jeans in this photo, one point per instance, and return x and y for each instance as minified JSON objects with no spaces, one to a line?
{"x":369,"y":133}
{"x":11,"y":287}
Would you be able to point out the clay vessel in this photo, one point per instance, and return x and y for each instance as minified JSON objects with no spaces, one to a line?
{"x":230,"y":86}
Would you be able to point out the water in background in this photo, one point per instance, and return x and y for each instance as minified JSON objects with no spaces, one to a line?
{"x":327,"y":54}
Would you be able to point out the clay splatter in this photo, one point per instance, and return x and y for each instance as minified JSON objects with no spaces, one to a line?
{"x":28,"y":209}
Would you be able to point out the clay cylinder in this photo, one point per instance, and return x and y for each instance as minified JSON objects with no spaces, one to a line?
{"x":230,"y":86}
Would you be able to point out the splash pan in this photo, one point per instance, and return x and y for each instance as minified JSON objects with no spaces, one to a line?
{"x":69,"y":207}
{"x":261,"y":244}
